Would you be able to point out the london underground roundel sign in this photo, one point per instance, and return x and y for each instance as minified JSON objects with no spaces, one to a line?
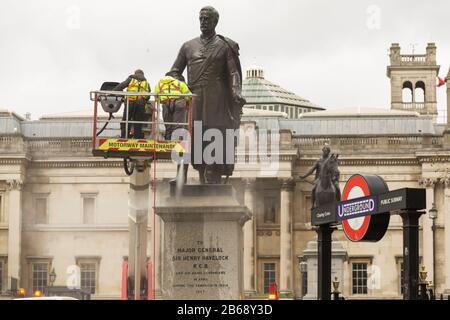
{"x":369,"y":227}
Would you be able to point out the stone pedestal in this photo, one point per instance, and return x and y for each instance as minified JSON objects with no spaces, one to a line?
{"x":203,"y":244}
{"x":338,"y":257}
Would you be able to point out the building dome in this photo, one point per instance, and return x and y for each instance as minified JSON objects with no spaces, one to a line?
{"x":264,"y":95}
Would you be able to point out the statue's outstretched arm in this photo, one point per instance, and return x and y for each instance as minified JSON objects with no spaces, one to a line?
{"x":310,"y":172}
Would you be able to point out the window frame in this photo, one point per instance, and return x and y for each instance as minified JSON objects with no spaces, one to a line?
{"x":90,"y":260}
{"x":3,"y":217}
{"x":274,"y":204}
{"x":260,"y":271}
{"x":368,"y":260}
{"x":36,"y":197}
{"x":274,"y":272}
{"x":88,"y":195}
{"x":3,"y":274}
{"x":34,"y":261}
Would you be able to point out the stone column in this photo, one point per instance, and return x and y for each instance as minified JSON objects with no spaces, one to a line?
{"x":14,"y":229}
{"x":156,"y":249}
{"x":446,"y":214}
{"x":427,"y":247}
{"x":448,"y":99}
{"x":286,"y":265}
{"x":249,"y":240}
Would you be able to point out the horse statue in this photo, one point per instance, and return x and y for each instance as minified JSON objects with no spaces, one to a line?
{"x":327,"y":185}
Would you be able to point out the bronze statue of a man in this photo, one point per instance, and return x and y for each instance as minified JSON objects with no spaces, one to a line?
{"x":332,"y":173}
{"x":215,"y":77}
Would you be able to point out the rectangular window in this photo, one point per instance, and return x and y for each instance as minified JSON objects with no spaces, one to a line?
{"x":41,"y":213}
{"x":402,"y":278}
{"x":359,"y":278}
{"x":1,"y":275}
{"x":88,"y":210}
{"x":269,"y":275}
{"x":271,"y":108}
{"x":2,"y":218}
{"x":39,"y":274}
{"x":88,"y":276}
{"x":270,"y":210}
{"x":282,"y":108}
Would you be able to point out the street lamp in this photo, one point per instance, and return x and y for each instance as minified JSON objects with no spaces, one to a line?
{"x":303,"y":268}
{"x":433,"y":216}
{"x":423,"y":283}
{"x":52,"y":277}
{"x":431,"y":291}
{"x":336,"y":288}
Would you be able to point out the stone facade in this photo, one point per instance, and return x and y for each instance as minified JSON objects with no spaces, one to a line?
{"x":278,"y":234}
{"x":61,"y":207}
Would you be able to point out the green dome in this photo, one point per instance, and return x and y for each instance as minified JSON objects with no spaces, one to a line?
{"x":257,"y":90}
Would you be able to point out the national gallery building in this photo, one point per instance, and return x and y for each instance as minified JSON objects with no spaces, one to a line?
{"x":61,"y":207}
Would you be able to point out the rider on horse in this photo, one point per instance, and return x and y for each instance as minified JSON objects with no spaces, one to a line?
{"x":318,"y":168}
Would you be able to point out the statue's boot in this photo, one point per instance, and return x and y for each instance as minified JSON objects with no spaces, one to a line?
{"x":212,"y":174}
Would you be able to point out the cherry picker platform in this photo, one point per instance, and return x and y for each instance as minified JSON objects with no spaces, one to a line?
{"x":106,"y":144}
{"x":138,"y":274}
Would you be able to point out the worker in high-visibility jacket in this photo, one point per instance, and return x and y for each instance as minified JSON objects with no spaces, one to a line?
{"x":136,"y":104}
{"x":173,"y":107}
{"x":174,"y":111}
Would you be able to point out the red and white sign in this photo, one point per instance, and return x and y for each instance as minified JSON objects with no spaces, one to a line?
{"x":369,"y":227}
{"x":356,"y":228}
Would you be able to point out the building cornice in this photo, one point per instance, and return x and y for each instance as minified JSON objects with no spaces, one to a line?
{"x":22,"y":160}
{"x":433,"y":158}
{"x":368,"y":162}
{"x":76,"y":228}
{"x":41,"y":164}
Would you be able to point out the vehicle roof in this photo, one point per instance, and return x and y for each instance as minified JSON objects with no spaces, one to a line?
{"x":48,"y":298}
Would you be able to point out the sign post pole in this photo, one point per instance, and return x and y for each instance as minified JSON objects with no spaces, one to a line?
{"x":411,"y":253}
{"x":324,"y":261}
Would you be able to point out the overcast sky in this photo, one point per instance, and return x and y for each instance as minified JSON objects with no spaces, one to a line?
{"x":334,"y":53}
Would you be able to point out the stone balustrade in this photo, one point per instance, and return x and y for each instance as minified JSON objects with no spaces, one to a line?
{"x":413,"y":58}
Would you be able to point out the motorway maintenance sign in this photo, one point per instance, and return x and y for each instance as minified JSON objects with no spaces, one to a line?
{"x":140,"y":145}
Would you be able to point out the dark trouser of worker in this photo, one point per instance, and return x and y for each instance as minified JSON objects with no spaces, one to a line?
{"x":136,"y":112}
{"x":173,"y":111}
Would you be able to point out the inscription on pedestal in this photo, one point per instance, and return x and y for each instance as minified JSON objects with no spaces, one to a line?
{"x":202,"y":260}
{"x":201,"y":267}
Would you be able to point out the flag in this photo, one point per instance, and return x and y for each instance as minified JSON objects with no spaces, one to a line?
{"x":441,"y":82}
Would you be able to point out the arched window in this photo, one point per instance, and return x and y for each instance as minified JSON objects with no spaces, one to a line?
{"x":407,"y":92}
{"x":419,"y":92}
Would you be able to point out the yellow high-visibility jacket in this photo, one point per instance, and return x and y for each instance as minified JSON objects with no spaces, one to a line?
{"x":171,"y":85}
{"x":137,"y":86}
